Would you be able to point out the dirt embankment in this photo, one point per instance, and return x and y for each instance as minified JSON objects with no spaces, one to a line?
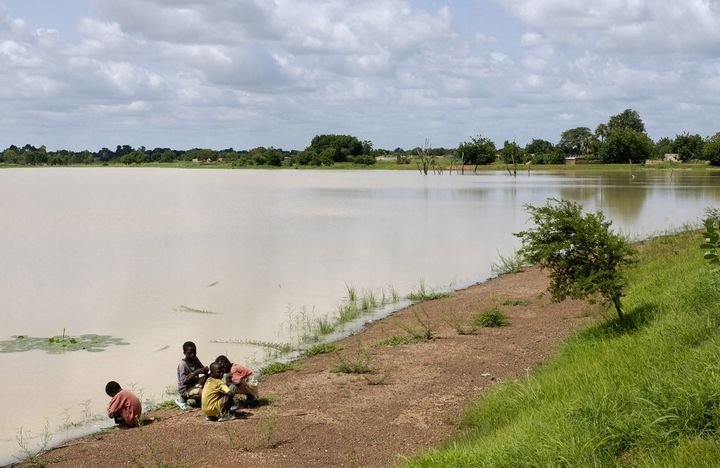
{"x":412,"y":401}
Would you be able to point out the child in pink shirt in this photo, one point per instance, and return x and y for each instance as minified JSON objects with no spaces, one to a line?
{"x":124,"y":407}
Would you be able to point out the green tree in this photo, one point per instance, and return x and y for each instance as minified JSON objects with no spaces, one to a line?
{"x":711,"y":150}
{"x":537,"y":146}
{"x":338,"y":147}
{"x":511,"y":153}
{"x":601,"y":131}
{"x":478,"y":151}
{"x":623,"y":145}
{"x":662,"y":147}
{"x":578,"y":140}
{"x":628,"y":119}
{"x":583,"y":257}
{"x":688,"y":146}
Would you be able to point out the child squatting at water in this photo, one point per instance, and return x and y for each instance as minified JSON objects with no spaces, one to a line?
{"x":216,"y":396}
{"x":124,"y":407}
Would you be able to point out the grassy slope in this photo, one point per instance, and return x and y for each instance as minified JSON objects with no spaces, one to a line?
{"x":643,"y":393}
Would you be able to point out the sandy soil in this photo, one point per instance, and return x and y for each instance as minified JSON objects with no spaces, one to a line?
{"x":412,"y":401}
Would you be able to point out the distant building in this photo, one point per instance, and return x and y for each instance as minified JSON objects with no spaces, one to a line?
{"x":580,"y":160}
{"x":668,"y":157}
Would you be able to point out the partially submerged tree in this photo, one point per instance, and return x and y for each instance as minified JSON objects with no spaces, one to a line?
{"x":582,"y":255}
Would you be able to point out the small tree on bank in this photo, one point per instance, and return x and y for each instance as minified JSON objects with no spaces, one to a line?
{"x":583,"y":257}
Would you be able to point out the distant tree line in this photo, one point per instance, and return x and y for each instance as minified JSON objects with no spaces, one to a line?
{"x":621,"y":139}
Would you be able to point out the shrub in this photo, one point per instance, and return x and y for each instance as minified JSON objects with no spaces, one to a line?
{"x":490,"y":318}
{"x":583,"y":257}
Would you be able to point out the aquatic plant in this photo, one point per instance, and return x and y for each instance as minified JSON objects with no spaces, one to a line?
{"x":60,"y":344}
{"x":192,"y":310}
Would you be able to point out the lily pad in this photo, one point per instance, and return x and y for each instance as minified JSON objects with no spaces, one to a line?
{"x":60,"y":344}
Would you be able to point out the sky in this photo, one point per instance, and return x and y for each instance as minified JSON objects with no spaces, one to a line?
{"x":87,"y":74}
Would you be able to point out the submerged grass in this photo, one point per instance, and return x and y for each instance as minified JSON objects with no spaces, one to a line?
{"x":422,"y":294}
{"x":644,"y":391}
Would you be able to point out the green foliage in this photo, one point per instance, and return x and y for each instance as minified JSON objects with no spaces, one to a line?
{"x":424,"y":329}
{"x":624,"y":145}
{"x":577,"y":140}
{"x":662,"y":147}
{"x":507,"y":264}
{"x":688,"y":146}
{"x":511,"y":153}
{"x":583,"y":257}
{"x":397,"y":340}
{"x":492,"y":317}
{"x":60,"y":344}
{"x":711,"y":150}
{"x":543,"y":152}
{"x":322,"y":348}
{"x":628,"y":119}
{"x":278,"y":367}
{"x":712,"y":238}
{"x":479,"y":150}
{"x":359,"y":363}
{"x":515,"y":302}
{"x":538,"y":146}
{"x":458,"y":325}
{"x":337,"y":148}
{"x":642,"y":392}
{"x":279,"y":347}
{"x":422,"y":294}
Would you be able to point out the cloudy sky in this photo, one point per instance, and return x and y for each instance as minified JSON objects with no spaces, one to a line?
{"x":83,"y":74}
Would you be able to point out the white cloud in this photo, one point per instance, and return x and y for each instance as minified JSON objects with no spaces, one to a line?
{"x":222,"y":73}
{"x":656,"y":26}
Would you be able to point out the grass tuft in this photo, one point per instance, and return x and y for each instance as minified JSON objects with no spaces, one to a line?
{"x":322,"y":348}
{"x":422,"y":294}
{"x":491,"y":317}
{"x":278,"y":367}
{"x":357,"y":363}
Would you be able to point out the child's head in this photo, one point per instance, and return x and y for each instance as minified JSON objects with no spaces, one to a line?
{"x":216,"y":371}
{"x":189,"y":349}
{"x":112,"y":388}
{"x":224,"y":362}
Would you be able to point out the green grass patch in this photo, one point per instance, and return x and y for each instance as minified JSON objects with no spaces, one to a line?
{"x":167,"y":404}
{"x":322,"y":348}
{"x":278,"y":367}
{"x":421,"y":294}
{"x":492,"y":317}
{"x":639,"y":391}
{"x":515,"y":302}
{"x":398,"y":341}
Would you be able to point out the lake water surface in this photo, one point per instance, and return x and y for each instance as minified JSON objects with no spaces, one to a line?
{"x":122,"y":252}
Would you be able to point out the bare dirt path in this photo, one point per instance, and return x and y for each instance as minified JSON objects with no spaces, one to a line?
{"x":321,"y":418}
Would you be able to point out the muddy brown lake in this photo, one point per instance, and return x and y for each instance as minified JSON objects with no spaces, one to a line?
{"x":150,"y":258}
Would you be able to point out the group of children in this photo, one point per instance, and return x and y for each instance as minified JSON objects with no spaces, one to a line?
{"x":213,"y":388}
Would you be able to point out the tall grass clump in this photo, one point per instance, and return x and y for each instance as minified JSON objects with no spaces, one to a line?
{"x":641,"y":391}
{"x":423,"y":294}
{"x":507,"y":264}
